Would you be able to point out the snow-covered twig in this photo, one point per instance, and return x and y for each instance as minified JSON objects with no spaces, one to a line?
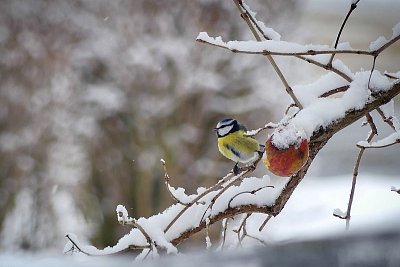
{"x":397,"y":141}
{"x":390,"y":140}
{"x":124,"y":219}
{"x":248,"y":192}
{"x":276,"y":48}
{"x":250,"y":15}
{"x":200,"y":196}
{"x":168,"y":186}
{"x":269,"y":125}
{"x":76,"y":246}
{"x":234,"y":181}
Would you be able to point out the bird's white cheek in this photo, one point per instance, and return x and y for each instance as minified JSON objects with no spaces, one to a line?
{"x":224,"y":130}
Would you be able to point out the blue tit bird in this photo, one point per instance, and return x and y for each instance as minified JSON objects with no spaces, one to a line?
{"x":235,"y":145}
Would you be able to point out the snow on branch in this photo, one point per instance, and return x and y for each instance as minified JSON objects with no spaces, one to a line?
{"x":284,"y":48}
{"x":390,"y":140}
{"x":277,"y":48}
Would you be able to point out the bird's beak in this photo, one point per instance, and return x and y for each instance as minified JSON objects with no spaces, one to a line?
{"x":215,"y":129}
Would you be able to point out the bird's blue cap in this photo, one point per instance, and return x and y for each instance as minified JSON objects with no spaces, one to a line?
{"x":225,"y":122}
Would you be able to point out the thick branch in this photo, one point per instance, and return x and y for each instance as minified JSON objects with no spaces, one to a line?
{"x":317,"y":141}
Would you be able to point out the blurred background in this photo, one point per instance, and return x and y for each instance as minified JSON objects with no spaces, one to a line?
{"x":94,"y":93}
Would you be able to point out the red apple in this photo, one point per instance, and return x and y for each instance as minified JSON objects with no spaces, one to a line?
{"x":285,"y":161}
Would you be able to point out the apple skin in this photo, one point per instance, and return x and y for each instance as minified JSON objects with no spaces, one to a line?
{"x":287,"y":161}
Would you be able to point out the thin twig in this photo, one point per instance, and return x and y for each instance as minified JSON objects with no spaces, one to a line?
{"x":353,"y":6}
{"x":248,"y":18}
{"x":239,"y":4}
{"x":396,"y":190}
{"x":289,"y":107}
{"x":253,"y":192}
{"x":397,"y":141}
{"x":264,"y":222}
{"x":76,"y":246}
{"x":335,"y":91}
{"x":269,"y":125}
{"x":239,"y":178}
{"x":372,"y":70}
{"x":242,"y":226}
{"x":256,"y":238}
{"x":220,"y":182}
{"x":389,"y":120}
{"x":391,"y":76}
{"x":144,"y":233}
{"x":355,"y":171}
{"x":148,"y":253}
{"x":225,"y":226}
{"x":326,"y":67}
{"x":167,"y":185}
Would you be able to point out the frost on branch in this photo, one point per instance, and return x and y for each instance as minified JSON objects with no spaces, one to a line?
{"x":321,"y":109}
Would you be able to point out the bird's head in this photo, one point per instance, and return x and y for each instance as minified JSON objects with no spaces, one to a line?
{"x":226,"y":126}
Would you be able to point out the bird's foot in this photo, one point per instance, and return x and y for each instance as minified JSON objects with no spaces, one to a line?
{"x":236,"y":169}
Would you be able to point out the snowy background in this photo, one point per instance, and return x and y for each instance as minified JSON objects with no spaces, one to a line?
{"x":94,"y":93}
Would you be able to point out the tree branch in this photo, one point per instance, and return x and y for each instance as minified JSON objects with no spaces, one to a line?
{"x":317,"y":141}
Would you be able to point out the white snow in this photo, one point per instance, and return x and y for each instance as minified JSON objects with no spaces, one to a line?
{"x":269,"y":32}
{"x":393,"y":138}
{"x":122,"y":214}
{"x":378,"y":43}
{"x":155,"y":225}
{"x":179,"y":193}
{"x":396,"y":30}
{"x":338,"y":212}
{"x":321,"y":112}
{"x":381,"y":40}
{"x":285,"y":136}
{"x":307,"y":94}
{"x":262,"y":46}
{"x":344,"y":46}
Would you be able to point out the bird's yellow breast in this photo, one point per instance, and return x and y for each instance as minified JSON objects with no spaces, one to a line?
{"x":238,"y":147}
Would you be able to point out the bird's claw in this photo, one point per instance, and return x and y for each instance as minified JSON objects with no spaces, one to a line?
{"x":236,"y":169}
